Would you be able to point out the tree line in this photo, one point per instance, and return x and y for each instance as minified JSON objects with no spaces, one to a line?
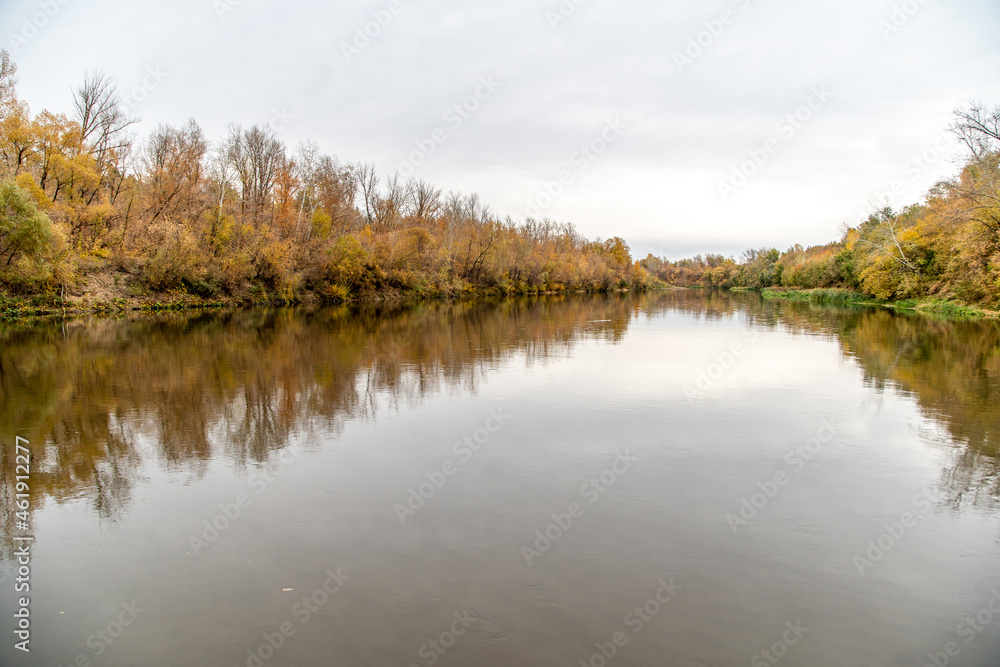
{"x":81,"y":194}
{"x":947,"y":246}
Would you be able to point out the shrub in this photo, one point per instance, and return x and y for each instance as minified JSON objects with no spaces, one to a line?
{"x":25,"y":236}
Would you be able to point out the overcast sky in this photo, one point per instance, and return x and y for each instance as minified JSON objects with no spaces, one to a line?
{"x":677,"y":117}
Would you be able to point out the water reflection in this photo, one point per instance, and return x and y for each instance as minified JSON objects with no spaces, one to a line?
{"x":950,"y":367}
{"x":242,"y":383}
{"x":100,"y":399}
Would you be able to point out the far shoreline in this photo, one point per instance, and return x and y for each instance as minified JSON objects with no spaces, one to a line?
{"x":840,"y":296}
{"x":28,"y":307}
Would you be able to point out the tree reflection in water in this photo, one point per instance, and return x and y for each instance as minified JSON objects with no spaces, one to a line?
{"x":101,"y":399}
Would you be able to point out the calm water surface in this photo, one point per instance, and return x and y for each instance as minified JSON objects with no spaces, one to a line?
{"x":678,"y":478}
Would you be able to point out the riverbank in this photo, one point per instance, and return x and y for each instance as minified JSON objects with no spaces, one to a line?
{"x":848,"y":297}
{"x":113,"y":293}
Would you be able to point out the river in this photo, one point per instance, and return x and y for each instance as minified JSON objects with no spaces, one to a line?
{"x":673,"y":478}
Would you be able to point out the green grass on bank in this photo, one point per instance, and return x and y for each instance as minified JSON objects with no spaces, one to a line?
{"x":831,"y":295}
{"x":848,"y":297}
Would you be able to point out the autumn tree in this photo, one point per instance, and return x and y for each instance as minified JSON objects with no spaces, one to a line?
{"x":368,"y":183}
{"x":978,"y":128}
{"x":256,"y":156}
{"x":177,"y":212}
{"x":426,"y":200}
{"x":172,"y":166}
{"x":24,"y":230}
{"x":102,"y":118}
{"x":336,"y":190}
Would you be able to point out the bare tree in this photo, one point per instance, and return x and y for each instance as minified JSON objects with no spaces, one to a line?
{"x":8,"y":83}
{"x":396,"y":203}
{"x":222,"y":174}
{"x":454,"y":215}
{"x":256,"y":155}
{"x":172,"y":164}
{"x":367,"y":177}
{"x":103,"y":121}
{"x":336,"y":189}
{"x":978,"y":127}
{"x":305,"y":168}
{"x":426,"y":200}
{"x":884,"y":237}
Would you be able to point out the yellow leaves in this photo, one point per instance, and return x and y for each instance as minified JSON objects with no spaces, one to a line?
{"x":272,"y":261}
{"x":57,"y":134}
{"x":851,"y":238}
{"x":224,"y":231}
{"x":95,"y":214}
{"x":78,"y":173}
{"x":322,"y":223}
{"x":188,"y":220}
{"x":909,"y":236}
{"x":348,"y":262}
{"x":17,"y":141}
{"x":881,"y":279}
{"x":411,"y":248}
{"x":618,"y":250}
{"x":722,"y":274}
{"x":335,"y":293}
{"x":27,"y":183}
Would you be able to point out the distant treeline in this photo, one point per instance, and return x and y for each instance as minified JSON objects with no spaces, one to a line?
{"x":947,"y":247}
{"x":82,"y":197}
